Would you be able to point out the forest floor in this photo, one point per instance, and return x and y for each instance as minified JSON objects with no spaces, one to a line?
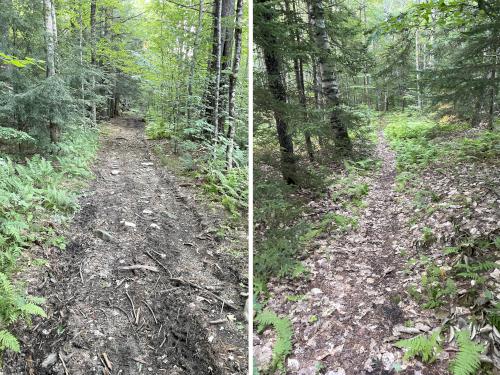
{"x":143,"y":286}
{"x":352,"y":305}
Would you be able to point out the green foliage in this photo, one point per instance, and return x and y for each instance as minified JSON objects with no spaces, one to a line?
{"x":32,"y":194}
{"x":283,"y":328}
{"x":15,"y":305}
{"x":10,"y":135}
{"x":18,"y":63}
{"x":420,"y":141}
{"x":423,"y":346}
{"x":8,"y":341}
{"x":467,"y":361}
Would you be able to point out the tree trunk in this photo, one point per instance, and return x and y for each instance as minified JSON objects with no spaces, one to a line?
{"x":329,"y":81}
{"x":227,"y":35}
{"x":193,"y":60}
{"x":417,"y":69}
{"x":278,"y":92}
{"x":93,"y":42}
{"x":218,"y":50}
{"x":299,"y":78}
{"x":50,"y":40}
{"x":232,"y":83}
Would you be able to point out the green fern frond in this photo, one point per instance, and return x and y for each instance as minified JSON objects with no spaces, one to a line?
{"x":468,"y":360}
{"x":283,"y":327}
{"x":31,"y":309}
{"x":423,"y":346}
{"x":8,"y":341}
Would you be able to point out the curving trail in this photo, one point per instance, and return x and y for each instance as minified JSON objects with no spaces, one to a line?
{"x":353,"y":291}
{"x":105,"y":317}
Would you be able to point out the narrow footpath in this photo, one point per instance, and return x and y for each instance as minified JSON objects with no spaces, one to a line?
{"x":350,"y":314}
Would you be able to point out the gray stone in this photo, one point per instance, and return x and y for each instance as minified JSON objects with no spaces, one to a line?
{"x":50,"y":360}
{"x":338,"y":371}
{"x":293,"y":364}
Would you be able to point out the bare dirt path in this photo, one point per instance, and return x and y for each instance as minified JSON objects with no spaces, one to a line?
{"x":180,"y":311}
{"x":350,"y":308}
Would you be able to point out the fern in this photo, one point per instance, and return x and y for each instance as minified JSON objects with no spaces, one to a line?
{"x":467,"y":361}
{"x":423,"y":346}
{"x":32,"y":309}
{"x":283,"y":327}
{"x":8,"y":341}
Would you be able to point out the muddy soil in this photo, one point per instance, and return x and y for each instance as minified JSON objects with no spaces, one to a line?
{"x":141,"y":288}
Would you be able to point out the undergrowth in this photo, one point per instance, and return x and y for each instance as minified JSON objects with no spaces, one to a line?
{"x":457,"y":276}
{"x":36,"y":194}
{"x":204,"y":160}
{"x":283,"y":331}
{"x":420,"y":141}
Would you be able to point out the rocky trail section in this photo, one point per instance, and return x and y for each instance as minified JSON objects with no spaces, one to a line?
{"x":348,"y":313}
{"x":140,"y":287}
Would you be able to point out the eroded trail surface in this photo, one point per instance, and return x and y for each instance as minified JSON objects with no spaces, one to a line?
{"x":345,"y":322}
{"x":140,"y":287}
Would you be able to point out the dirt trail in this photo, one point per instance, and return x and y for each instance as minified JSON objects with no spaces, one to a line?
{"x":104,"y":319}
{"x":345,"y":320}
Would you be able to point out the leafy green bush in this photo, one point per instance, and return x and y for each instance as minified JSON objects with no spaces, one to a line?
{"x":10,"y":135}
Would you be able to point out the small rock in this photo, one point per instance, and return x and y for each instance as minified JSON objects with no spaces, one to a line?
{"x":147,"y":164}
{"x":316,"y":291}
{"x":50,"y":360}
{"x":293,"y":364}
{"x":263,"y":356}
{"x":155,"y":226}
{"x":115,"y":172}
{"x":103,"y":235}
{"x":422,"y":327}
{"x":338,"y":371}
{"x":388,"y":361}
{"x":129,"y":224}
{"x":147,"y":212}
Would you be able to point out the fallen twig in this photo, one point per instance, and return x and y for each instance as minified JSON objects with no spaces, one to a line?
{"x":132,"y":303}
{"x":140,"y":267}
{"x":205,"y":290}
{"x":108,"y":363}
{"x":151,"y":310}
{"x":160,"y":263}
{"x":219,"y":321}
{"x":64,"y":364}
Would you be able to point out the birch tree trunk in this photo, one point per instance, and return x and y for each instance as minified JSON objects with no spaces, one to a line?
{"x":93,"y":42}
{"x":232,"y":83}
{"x":218,"y":50}
{"x":329,"y":83}
{"x":50,"y":38}
{"x":193,"y":60}
{"x":50,"y":41}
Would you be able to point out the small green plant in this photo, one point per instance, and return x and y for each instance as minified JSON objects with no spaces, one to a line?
{"x":313,"y":319}
{"x":468,"y":360}
{"x":436,"y":287}
{"x":283,"y":328}
{"x":295,"y":298}
{"x":423,"y":346}
{"x":428,"y":236}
